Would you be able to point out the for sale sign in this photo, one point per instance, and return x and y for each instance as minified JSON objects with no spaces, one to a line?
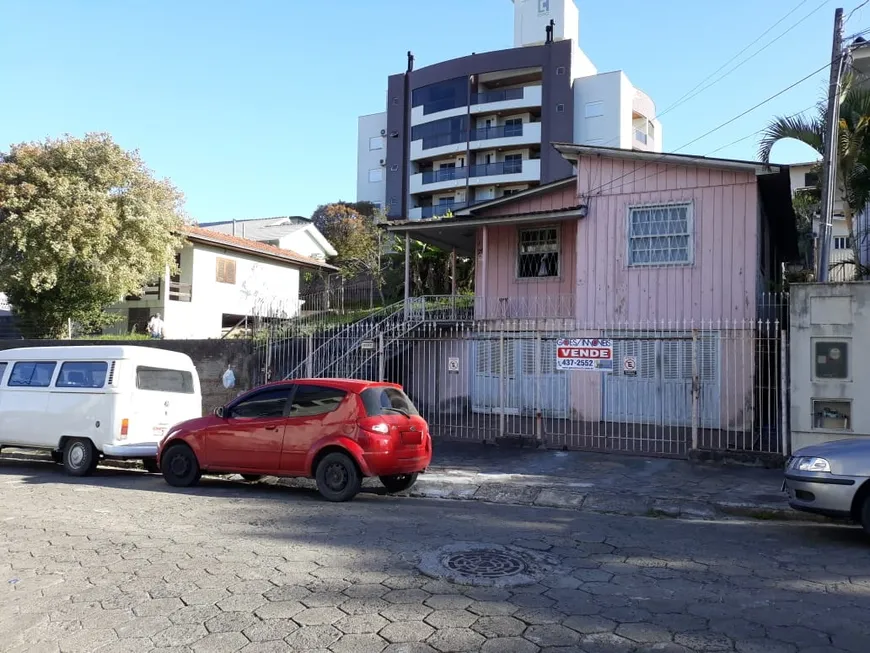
{"x":590,"y":354}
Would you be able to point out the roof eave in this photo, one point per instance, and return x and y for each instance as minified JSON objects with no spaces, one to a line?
{"x":205,"y":240}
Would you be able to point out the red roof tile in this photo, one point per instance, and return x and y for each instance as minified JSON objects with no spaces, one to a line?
{"x":199,"y":234}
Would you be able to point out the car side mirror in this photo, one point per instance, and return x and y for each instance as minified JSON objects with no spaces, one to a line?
{"x":219,"y":412}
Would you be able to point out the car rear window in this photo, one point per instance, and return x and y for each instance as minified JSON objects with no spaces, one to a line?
{"x":387,"y":401}
{"x":163,"y":380}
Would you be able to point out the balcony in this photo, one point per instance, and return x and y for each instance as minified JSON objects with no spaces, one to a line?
{"x":503,"y":136}
{"x":503,"y":172}
{"x":178,"y":292}
{"x":485,"y":101}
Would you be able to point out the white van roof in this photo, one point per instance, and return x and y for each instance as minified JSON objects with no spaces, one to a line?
{"x":154,"y":356}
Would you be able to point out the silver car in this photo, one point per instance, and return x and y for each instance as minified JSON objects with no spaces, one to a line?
{"x":831,"y":479}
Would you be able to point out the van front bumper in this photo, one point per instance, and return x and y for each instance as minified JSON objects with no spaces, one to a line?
{"x":133,"y":450}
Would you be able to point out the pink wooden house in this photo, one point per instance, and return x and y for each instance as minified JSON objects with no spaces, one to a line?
{"x":669,"y":255}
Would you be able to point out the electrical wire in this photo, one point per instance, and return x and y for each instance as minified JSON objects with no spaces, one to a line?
{"x":755,"y":133}
{"x":692,"y":93}
{"x":598,"y":189}
{"x":854,"y":10}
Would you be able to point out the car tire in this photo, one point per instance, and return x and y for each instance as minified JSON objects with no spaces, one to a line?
{"x":251,"y":478}
{"x":150,"y":465}
{"x":864,"y":514}
{"x":398,"y":482}
{"x":80,"y":457}
{"x":338,"y":478}
{"x":180,"y":467}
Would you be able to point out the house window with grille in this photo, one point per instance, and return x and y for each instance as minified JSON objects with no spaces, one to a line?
{"x":842,"y":242}
{"x":538,"y":253}
{"x":660,"y":234}
{"x":226,"y":270}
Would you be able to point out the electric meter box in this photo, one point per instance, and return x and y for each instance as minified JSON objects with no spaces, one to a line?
{"x":827,"y":369}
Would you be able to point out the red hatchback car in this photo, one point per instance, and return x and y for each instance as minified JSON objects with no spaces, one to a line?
{"x":336,"y":431}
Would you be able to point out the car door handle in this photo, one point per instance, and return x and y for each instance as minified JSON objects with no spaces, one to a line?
{"x":272,"y":428}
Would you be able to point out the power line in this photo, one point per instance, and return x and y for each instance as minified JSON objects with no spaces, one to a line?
{"x":714,"y":130}
{"x":749,"y":58}
{"x":687,"y":95}
{"x":759,"y":131}
{"x":855,"y":9}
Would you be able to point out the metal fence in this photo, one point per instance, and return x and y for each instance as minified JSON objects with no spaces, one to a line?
{"x":479,"y":372}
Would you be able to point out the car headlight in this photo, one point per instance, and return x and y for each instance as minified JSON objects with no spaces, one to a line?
{"x":812,"y":464}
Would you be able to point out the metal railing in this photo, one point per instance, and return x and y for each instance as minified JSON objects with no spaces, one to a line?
{"x":444,"y":174}
{"x":177,"y":292}
{"x":504,"y":95}
{"x":501,"y":131}
{"x":500,"y":168}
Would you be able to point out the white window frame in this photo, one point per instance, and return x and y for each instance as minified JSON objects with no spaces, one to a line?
{"x":558,"y":252}
{"x":379,"y":175}
{"x":690,"y":226}
{"x":376,"y":143}
{"x":844,"y":240}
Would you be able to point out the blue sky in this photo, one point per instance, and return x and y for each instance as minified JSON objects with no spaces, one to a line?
{"x":251,"y":107}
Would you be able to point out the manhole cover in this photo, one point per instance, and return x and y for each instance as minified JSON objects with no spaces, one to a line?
{"x":486,"y":563}
{"x":469,"y":563}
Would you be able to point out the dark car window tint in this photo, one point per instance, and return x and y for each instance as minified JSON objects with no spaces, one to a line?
{"x":379,"y":401}
{"x":2,"y":369}
{"x":33,"y":375}
{"x":161,"y":380}
{"x":82,"y":375}
{"x":269,"y":403}
{"x":312,"y":400}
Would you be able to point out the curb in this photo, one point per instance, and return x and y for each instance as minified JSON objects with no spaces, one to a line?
{"x":545,"y":496}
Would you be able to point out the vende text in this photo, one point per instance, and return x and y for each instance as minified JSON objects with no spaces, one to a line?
{"x":585,"y":352}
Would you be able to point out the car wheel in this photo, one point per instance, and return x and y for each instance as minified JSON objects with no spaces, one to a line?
{"x":180,"y":467}
{"x":80,"y":458}
{"x":398,"y":482}
{"x":150,"y":465}
{"x":865,"y":514}
{"x":337,"y":477}
{"x":57,"y":456}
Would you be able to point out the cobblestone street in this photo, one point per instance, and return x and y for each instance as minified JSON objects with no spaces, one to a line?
{"x":122,"y":562}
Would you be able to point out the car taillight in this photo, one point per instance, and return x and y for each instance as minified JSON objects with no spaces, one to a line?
{"x":125,"y":427}
{"x":374,"y":425}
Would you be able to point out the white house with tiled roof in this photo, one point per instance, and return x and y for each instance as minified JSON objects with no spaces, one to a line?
{"x":221,"y":282}
{"x":296,"y":233}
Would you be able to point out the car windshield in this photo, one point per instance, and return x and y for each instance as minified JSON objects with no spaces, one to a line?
{"x":387,"y":401}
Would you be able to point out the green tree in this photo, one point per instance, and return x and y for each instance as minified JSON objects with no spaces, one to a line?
{"x":853,"y":147}
{"x":83,"y":223}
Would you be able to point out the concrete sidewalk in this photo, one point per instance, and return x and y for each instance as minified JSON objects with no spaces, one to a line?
{"x":588,"y":482}
{"x":605,"y":483}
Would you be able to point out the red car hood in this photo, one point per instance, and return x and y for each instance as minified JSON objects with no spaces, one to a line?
{"x":197,"y":423}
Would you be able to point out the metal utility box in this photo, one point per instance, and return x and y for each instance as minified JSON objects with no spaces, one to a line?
{"x":830,"y":388}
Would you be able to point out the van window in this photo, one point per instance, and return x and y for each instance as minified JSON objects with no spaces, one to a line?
{"x":82,"y":375}
{"x":162,"y":380}
{"x":387,"y":401}
{"x":2,"y":369}
{"x":31,"y":375}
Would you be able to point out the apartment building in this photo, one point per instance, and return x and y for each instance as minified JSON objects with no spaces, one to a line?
{"x":477,"y":128}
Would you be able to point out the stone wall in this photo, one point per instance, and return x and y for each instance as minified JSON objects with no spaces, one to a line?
{"x":211,"y":358}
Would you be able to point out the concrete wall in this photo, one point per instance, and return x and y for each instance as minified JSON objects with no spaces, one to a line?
{"x":368,"y":159}
{"x":211,"y":358}
{"x":829,"y":313}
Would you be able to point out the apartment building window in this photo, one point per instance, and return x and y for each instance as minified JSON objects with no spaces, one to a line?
{"x":513,"y":163}
{"x":376,"y":143}
{"x":842,"y":242}
{"x":226,"y":270}
{"x":376,"y":175}
{"x":660,"y":234}
{"x":513,"y":127}
{"x":538,"y":255}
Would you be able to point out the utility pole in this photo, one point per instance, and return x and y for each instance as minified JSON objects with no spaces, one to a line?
{"x":829,"y":162}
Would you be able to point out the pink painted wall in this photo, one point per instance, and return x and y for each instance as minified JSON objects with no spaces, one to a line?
{"x":719,"y":284}
{"x":561,"y":198}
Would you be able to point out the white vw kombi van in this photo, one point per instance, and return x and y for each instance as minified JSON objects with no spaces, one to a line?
{"x":84,"y":402}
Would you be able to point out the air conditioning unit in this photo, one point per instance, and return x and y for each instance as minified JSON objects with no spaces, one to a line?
{"x":383,"y":132}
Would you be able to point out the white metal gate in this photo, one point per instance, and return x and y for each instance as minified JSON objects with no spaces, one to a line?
{"x":659,"y":391}
{"x":518,"y":376}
